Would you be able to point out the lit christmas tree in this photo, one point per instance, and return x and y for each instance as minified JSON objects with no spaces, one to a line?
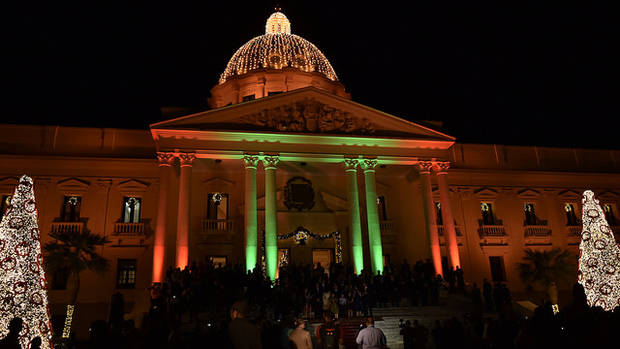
{"x":599,"y":257}
{"x":23,"y":292}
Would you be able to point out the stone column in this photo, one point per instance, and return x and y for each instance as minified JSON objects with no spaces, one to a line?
{"x":372,"y":213}
{"x":271,"y":215}
{"x":186,"y":161}
{"x":446,"y":214}
{"x":357,"y":249}
{"x":424,"y":167}
{"x":250,"y":162}
{"x":166,"y":160}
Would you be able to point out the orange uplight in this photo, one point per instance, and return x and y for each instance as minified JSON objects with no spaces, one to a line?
{"x":182,"y":257}
{"x":158,"y":264}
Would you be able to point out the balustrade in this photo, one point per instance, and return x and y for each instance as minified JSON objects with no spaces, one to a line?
{"x":67,"y":227}
{"x":218,"y":226}
{"x":128,"y":228}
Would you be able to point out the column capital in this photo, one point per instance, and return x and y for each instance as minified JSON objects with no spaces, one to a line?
{"x":187,"y":159}
{"x":270,"y":162}
{"x":250,"y":160}
{"x":165,"y":159}
{"x":350,"y":164}
{"x":368,"y":165}
{"x":424,"y":167}
{"x":441,"y":167}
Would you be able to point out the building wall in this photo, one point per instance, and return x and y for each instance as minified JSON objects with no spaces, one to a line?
{"x":103,"y":165}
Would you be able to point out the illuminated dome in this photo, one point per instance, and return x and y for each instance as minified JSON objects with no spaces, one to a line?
{"x":278,"y":49}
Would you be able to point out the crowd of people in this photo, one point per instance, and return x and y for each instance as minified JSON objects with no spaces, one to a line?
{"x":200,"y":307}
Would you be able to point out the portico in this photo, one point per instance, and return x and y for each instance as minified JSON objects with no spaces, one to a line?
{"x":318,"y":130}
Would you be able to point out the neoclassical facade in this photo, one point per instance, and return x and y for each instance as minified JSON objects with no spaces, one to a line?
{"x":286,"y":168}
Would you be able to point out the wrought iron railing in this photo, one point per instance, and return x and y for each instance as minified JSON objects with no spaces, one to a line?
{"x":128,"y":228}
{"x":440,"y":230}
{"x":386,"y":226}
{"x":67,"y":227}
{"x":537,"y":230}
{"x":491,"y":230}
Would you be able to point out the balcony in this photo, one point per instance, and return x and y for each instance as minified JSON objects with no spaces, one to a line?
{"x":217,"y":230}
{"x":492,"y":234}
{"x":537,"y":235}
{"x":128,"y":228}
{"x":128,"y":235}
{"x":442,"y":237}
{"x":67,"y":227}
{"x":386,"y":226}
{"x":388,"y":232}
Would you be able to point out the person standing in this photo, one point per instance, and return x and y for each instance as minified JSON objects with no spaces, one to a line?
{"x":243,"y":334}
{"x":329,"y":334}
{"x":300,"y":336}
{"x":371,"y":337}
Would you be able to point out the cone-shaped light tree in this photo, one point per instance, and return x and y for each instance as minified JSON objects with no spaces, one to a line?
{"x":599,"y":257}
{"x":23,"y":291}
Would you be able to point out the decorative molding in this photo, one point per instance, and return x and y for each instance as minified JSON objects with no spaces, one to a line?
{"x":165,"y":159}
{"x":132,"y":187}
{"x":350,"y":164}
{"x":270,"y":162}
{"x":299,"y":194}
{"x":441,"y":167}
{"x":187,"y":159}
{"x":250,"y":160}
{"x":486,"y":193}
{"x":528,"y":193}
{"x":570,"y":195}
{"x":310,"y":116}
{"x":8,"y":184}
{"x":218,"y":181}
{"x":424,"y":167}
{"x":368,"y":165}
{"x":73,"y":185}
{"x":607,"y":195}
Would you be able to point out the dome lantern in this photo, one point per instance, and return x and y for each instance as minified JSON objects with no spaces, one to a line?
{"x":277,"y":23}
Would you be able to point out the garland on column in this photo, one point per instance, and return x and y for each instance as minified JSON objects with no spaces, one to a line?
{"x":23,"y":291}
{"x":301,"y":234}
{"x":599,"y":257}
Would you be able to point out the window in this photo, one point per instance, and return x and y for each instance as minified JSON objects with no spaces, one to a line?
{"x":71,"y":209}
{"x":4,"y":205}
{"x":609,"y":214}
{"x":272,"y":93}
{"x":381,"y":208}
{"x":498,"y":271}
{"x":131,"y":209}
{"x":438,"y":213}
{"x":530,"y":215}
{"x":217,"y":206}
{"x":126,"y":273}
{"x":60,"y":278}
{"x":571,"y":216}
{"x":488,"y":216}
{"x":248,"y":98}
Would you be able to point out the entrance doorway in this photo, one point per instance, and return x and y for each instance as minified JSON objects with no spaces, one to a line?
{"x":325,"y":256}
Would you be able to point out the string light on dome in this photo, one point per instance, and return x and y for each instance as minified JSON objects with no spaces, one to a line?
{"x":23,"y":291}
{"x":599,"y":257}
{"x":278,"y":49}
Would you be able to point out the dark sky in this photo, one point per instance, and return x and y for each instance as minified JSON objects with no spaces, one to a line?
{"x":537,"y":73}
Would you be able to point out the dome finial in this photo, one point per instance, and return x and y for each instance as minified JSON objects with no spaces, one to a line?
{"x":277,"y":23}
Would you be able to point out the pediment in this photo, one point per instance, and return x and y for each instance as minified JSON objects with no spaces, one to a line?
{"x":218,"y":182}
{"x":569,"y":194}
{"x":528,"y":193}
{"x":607,"y":196}
{"x":132,"y":186}
{"x":305,"y":111}
{"x":486,"y":193}
{"x":73,"y":185}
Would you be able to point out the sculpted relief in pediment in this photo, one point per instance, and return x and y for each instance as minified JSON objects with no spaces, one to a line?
{"x":309,"y":116}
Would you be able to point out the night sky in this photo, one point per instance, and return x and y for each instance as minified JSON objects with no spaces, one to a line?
{"x":536,"y":74}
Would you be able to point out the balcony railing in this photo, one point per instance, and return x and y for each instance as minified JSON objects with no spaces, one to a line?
{"x":534,"y":222}
{"x":67,"y":227}
{"x":537,"y":230}
{"x":491,"y":230}
{"x":574,"y":230}
{"x":129,"y":228}
{"x":218,"y":226}
{"x":440,"y":230}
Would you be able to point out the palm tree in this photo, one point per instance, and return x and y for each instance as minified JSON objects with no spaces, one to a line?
{"x":546,"y":268}
{"x":71,"y":253}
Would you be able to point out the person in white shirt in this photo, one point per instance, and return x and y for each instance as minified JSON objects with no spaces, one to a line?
{"x":371,"y":337}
